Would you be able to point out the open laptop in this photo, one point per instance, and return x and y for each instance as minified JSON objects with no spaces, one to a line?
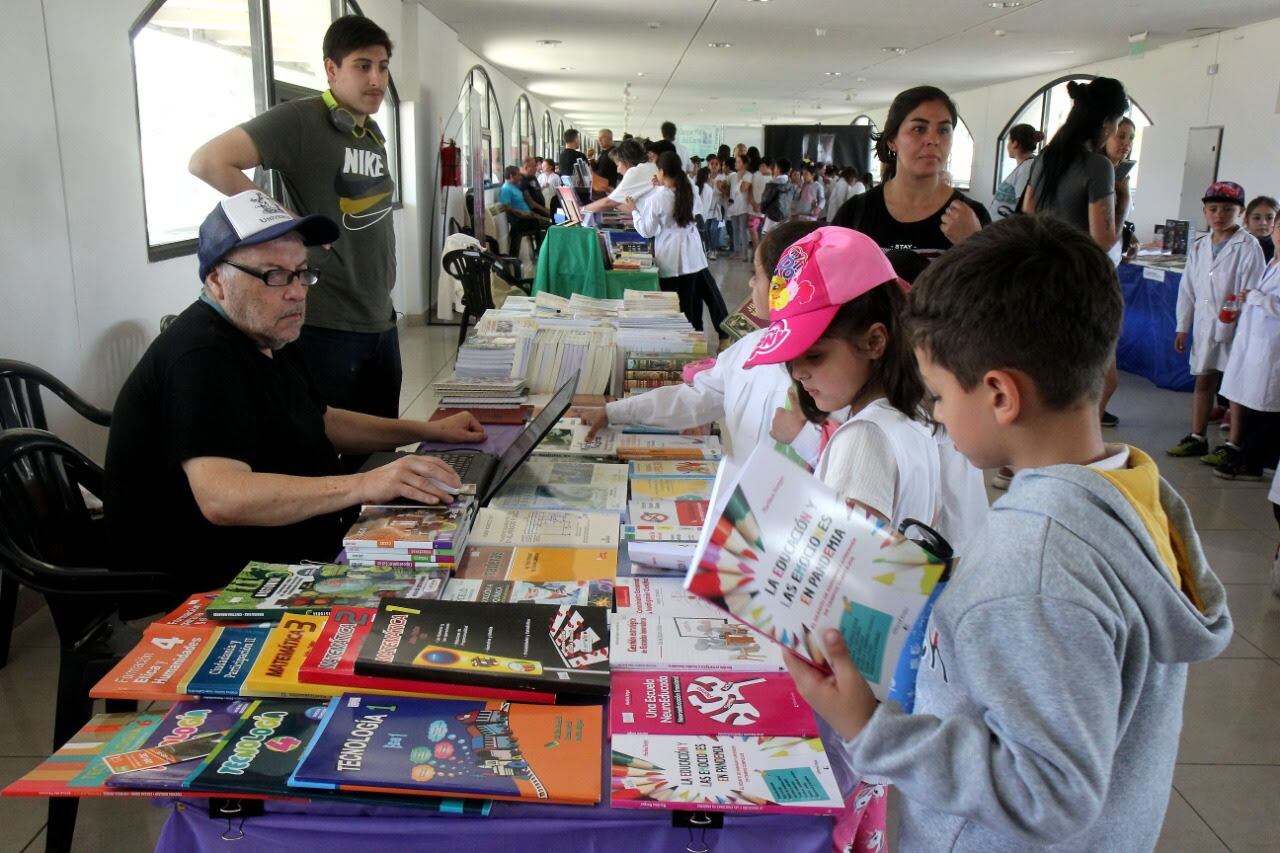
{"x":487,"y":471}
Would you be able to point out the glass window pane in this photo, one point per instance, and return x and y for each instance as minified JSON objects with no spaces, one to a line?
{"x":297,"y":39}
{"x":1059,"y":108}
{"x":1030,"y":114}
{"x":961,"y":165}
{"x":181,"y":50}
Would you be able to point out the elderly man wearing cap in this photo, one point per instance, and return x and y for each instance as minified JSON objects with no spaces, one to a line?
{"x":1221,"y":263}
{"x":221,"y":448}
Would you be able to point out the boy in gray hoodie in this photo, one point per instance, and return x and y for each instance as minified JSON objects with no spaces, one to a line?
{"x":1049,"y":697}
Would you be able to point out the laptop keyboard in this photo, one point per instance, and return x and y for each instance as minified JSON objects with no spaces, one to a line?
{"x":459,"y":462}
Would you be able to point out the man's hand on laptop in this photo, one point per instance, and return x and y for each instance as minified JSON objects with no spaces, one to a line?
{"x":424,"y":479}
{"x":462,"y":428}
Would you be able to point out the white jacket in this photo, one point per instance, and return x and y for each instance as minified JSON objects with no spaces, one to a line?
{"x":837,"y":195}
{"x":745,"y":399}
{"x":1252,"y":377}
{"x":739,"y":201}
{"x":677,"y":250}
{"x":1205,"y":284}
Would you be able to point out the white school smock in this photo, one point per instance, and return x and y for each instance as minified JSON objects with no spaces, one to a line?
{"x":745,"y":399}
{"x":738,"y":202}
{"x":636,"y":182}
{"x":917,"y":491}
{"x":837,"y":196}
{"x":758,"y":183}
{"x":676,"y":250}
{"x":710,"y":201}
{"x":1252,"y":377}
{"x":1205,"y":284}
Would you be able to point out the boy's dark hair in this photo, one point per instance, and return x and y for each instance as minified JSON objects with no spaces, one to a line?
{"x":1030,"y":293}
{"x":849,"y":174}
{"x":628,"y":153}
{"x":670,"y":166}
{"x":668,"y":130}
{"x":570,"y":135}
{"x":1260,"y":201}
{"x":510,"y":172}
{"x":661,"y":147}
{"x":776,"y":240}
{"x":903,"y":105}
{"x":908,"y":264}
{"x":350,"y":33}
{"x":782,"y":164}
{"x":896,"y":371}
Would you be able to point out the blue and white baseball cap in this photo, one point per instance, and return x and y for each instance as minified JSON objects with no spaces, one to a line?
{"x":253,"y":217}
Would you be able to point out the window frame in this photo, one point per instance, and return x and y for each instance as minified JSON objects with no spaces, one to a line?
{"x":1043,"y":93}
{"x":489,"y":110}
{"x":524,"y":127}
{"x":265,"y":95}
{"x":548,"y":132}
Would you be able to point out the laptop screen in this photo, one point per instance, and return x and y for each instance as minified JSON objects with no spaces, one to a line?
{"x":533,"y":433}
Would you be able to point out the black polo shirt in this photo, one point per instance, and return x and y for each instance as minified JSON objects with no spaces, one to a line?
{"x":203,"y":388}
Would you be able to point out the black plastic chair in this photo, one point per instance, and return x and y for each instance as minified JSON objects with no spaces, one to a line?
{"x":21,"y":406}
{"x":51,"y":543}
{"x":471,"y":267}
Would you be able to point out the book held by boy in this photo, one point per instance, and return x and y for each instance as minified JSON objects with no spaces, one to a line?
{"x":785,"y":555}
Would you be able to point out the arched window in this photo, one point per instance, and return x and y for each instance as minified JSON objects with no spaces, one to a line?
{"x":177,"y":49}
{"x":559,"y":138}
{"x":961,"y":164}
{"x":1047,"y":110}
{"x":548,"y":136}
{"x":491,"y":132}
{"x":871,"y":165}
{"x":525,"y":141}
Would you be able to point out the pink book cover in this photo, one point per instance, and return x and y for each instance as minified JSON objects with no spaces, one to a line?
{"x":722,"y":773}
{"x":708,"y":703}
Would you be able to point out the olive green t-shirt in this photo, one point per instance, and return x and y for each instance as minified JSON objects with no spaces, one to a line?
{"x":326,"y":170}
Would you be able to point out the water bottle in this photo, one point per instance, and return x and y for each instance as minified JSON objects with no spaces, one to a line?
{"x":1230,"y":310}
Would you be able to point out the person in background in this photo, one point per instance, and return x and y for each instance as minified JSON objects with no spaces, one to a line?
{"x":1021,"y":147}
{"x":520,"y":219}
{"x":669,"y":135}
{"x":1118,"y":148}
{"x":840,"y":190}
{"x":1221,"y":263}
{"x":1251,"y":381}
{"x":778,"y":196}
{"x":569,"y":156}
{"x":605,"y":167}
{"x":531,"y":188}
{"x":708,"y":184}
{"x":761,"y":178}
{"x":1055,"y":673}
{"x":913,"y":209}
{"x":637,"y":175}
{"x":547,"y":176}
{"x":865,"y":184}
{"x":667,"y":215}
{"x":811,"y":200}
{"x":740,"y":205}
{"x":1259,"y":219}
{"x":332,"y":157}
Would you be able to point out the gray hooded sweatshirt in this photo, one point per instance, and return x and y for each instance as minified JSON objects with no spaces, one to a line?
{"x":1049,"y":698}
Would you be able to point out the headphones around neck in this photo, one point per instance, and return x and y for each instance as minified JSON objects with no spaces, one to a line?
{"x":345,"y":122}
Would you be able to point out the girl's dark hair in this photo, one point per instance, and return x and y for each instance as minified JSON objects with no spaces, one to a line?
{"x":1092,"y":106}
{"x":662,"y":146}
{"x":670,"y":166}
{"x":849,"y":173}
{"x":725,"y":155}
{"x":704,"y":174}
{"x":628,"y":153}
{"x":1126,"y":120}
{"x":753,"y":159}
{"x":1026,"y":137}
{"x":745,"y":161}
{"x":1259,"y":202}
{"x":896,"y":371}
{"x":902,"y":106}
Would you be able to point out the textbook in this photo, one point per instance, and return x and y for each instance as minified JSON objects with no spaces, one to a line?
{"x":660,"y":596}
{"x":683,"y":513}
{"x":224,"y":662}
{"x":437,"y":527}
{"x":545,"y":528}
{"x":569,"y":438}
{"x":680,"y":469}
{"x":154,"y":668}
{"x":632,"y":446}
{"x":542,"y":565}
{"x":332,"y":660}
{"x":190,"y":612}
{"x":654,"y":557}
{"x":454,"y":747}
{"x":725,"y":773}
{"x":597,"y":593}
{"x":571,"y":497}
{"x":267,"y":590}
{"x":708,"y":703}
{"x":744,"y":321}
{"x":783,"y":554}
{"x":651,"y":532}
{"x":77,"y":769}
{"x":659,"y":488}
{"x":691,"y":642}
{"x":562,"y":649}
{"x":185,"y":720}
{"x":275,"y":673}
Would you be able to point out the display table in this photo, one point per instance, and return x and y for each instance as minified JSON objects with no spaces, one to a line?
{"x":571,"y":261}
{"x":1150,"y":319}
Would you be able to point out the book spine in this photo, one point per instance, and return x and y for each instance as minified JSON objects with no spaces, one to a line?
{"x":636,"y":384}
{"x":653,"y":374}
{"x":475,"y":679}
{"x":408,"y":687}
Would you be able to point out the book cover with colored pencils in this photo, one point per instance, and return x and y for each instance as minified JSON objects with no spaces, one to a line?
{"x":708,"y":703}
{"x":724,"y":773}
{"x":785,"y":555}
{"x":456,"y":747}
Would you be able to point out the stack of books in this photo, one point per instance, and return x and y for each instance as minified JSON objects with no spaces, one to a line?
{"x":549,"y":483}
{"x":663,"y":548}
{"x":490,"y":393}
{"x":486,"y":357}
{"x":645,"y":371}
{"x":410,"y":537}
{"x":632,"y":446}
{"x":569,"y":438}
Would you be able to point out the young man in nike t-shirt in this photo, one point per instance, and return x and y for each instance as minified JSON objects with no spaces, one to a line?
{"x":333,"y":160}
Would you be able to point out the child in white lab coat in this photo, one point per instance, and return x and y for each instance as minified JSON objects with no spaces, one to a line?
{"x":1221,"y":263}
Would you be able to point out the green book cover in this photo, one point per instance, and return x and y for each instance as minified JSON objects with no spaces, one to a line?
{"x":267,"y":590}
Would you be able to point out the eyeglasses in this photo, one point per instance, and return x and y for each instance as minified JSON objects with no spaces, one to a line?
{"x":280,"y":277}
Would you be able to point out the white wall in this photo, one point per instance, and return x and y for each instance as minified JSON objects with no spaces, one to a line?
{"x":78,"y":295}
{"x":1172,"y":86}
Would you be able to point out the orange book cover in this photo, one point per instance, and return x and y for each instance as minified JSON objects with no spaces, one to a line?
{"x":155,"y":668}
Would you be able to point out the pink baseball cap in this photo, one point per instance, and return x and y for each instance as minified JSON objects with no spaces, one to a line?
{"x":815,"y":276}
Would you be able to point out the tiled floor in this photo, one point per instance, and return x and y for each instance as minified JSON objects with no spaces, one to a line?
{"x":1226,"y":790}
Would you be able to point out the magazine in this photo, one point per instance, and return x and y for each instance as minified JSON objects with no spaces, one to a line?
{"x":785,"y":555}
